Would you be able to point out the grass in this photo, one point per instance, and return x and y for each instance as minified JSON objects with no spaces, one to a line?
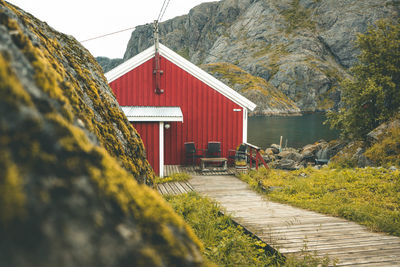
{"x":175,"y":177}
{"x":369,"y":196}
{"x":226,"y":243}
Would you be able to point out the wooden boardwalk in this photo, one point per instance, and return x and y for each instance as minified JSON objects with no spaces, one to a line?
{"x":194,"y":170}
{"x":174,"y":188}
{"x":291,"y":230}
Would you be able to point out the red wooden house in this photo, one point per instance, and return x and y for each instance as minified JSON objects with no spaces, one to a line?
{"x":171,"y":101}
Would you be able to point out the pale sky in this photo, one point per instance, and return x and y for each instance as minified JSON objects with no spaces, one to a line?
{"x":84,"y":19}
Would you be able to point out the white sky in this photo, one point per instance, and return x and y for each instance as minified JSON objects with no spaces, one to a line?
{"x":84,"y":19}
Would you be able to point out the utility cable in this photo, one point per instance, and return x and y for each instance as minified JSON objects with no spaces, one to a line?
{"x":108,"y":34}
{"x":160,"y":16}
{"x":163,"y":9}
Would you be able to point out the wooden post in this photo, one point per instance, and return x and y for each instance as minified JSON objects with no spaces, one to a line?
{"x":251,"y":156}
{"x":258,"y":152}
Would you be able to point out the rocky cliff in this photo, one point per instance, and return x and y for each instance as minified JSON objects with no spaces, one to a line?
{"x":107,"y":63}
{"x":70,"y":163}
{"x":299,"y":47}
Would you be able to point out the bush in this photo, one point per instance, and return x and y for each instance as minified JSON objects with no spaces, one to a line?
{"x":372,"y":96}
{"x":387,"y":151}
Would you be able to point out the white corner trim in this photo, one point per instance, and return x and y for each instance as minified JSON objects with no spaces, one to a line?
{"x":161,"y":151}
{"x":184,"y":64}
{"x":244,"y":126}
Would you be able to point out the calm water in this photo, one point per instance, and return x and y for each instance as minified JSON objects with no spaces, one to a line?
{"x":298,"y":130}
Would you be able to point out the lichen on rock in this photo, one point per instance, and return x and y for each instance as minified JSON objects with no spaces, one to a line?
{"x":72,"y":168}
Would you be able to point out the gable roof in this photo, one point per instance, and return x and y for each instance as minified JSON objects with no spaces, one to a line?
{"x":184,"y":64}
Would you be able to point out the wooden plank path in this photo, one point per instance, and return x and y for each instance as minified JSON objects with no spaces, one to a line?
{"x":194,"y":170}
{"x":291,"y":230}
{"x":174,"y":188}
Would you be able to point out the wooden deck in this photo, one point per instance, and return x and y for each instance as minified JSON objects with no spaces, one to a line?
{"x":194,"y":170}
{"x":174,"y":188}
{"x":291,"y":230}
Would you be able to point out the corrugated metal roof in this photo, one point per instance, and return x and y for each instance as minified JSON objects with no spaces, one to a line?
{"x":144,"y":113}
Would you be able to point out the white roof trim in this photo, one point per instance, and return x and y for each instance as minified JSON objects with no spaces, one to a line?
{"x":130,"y":64}
{"x":186,"y":65}
{"x":145,"y":113}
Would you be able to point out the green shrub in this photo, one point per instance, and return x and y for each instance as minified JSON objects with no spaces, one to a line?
{"x":372,"y":96}
{"x":387,"y":151}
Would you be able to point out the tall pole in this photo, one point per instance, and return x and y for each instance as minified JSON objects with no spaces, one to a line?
{"x":157,"y":72}
{"x":156,"y":36}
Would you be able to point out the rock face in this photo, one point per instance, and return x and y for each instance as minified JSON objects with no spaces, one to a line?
{"x":70,"y":162}
{"x":108,"y":64}
{"x":269,"y":100}
{"x":299,"y":47}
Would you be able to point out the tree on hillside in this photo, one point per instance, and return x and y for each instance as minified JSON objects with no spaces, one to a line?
{"x":372,"y":96}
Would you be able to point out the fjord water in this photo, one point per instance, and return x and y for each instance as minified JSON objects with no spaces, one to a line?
{"x":297,"y":130}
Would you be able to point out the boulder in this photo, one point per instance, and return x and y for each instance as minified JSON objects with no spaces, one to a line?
{"x":376,"y":134}
{"x":309,"y":152}
{"x":286,"y":164}
{"x":275,"y":148}
{"x":73,"y":171}
{"x":269,"y":151}
{"x":290,"y":154}
{"x":360,"y":159}
{"x":334,"y":147}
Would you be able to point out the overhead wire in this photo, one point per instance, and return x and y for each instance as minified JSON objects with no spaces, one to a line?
{"x":163,"y":9}
{"x":160,"y":16}
{"x":108,"y":34}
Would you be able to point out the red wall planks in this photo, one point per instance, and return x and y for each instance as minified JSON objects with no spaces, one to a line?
{"x":149,"y":132}
{"x":207,"y":114}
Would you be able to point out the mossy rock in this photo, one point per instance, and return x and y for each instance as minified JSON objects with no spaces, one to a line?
{"x":268,"y":98}
{"x":72,"y":168}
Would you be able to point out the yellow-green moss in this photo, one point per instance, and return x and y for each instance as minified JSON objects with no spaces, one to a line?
{"x":11,"y":90}
{"x":262,"y":51}
{"x":175,"y":177}
{"x":12,"y":196}
{"x":55,"y":145}
{"x":236,"y":75}
{"x":387,"y":151}
{"x":145,"y":205}
{"x":297,"y":16}
{"x":68,"y":90}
